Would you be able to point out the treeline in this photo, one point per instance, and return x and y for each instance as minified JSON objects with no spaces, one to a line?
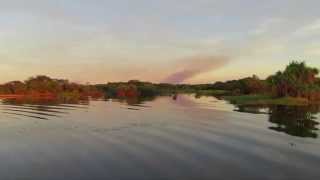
{"x":249,"y":85}
{"x":49,"y":87}
{"x":297,"y":80}
{"x":136,"y":88}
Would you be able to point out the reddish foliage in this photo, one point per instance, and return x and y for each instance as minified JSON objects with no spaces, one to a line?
{"x":129,"y":91}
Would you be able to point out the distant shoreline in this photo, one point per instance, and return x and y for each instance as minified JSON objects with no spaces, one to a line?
{"x":40,"y":95}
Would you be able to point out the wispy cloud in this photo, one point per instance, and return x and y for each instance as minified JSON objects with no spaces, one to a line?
{"x":268,"y":25}
{"x":309,"y":29}
{"x":105,"y":40}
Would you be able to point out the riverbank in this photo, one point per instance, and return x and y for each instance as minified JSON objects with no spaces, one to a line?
{"x":259,"y":99}
{"x":38,"y":95}
{"x":212,"y":93}
{"x":63,"y":95}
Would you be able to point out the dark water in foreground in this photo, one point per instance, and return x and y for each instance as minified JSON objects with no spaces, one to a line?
{"x":160,"y":139}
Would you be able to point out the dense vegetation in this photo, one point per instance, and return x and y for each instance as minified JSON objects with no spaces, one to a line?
{"x":128,"y":89}
{"x":249,"y":85}
{"x":298,"y":83}
{"x":135,"y":88}
{"x":297,"y":80}
{"x":43,"y":86}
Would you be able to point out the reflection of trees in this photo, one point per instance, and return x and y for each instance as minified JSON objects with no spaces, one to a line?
{"x":295,"y":120}
{"x":46,"y":101}
{"x":252,"y":109}
{"x":135,"y":100}
{"x":42,"y":108}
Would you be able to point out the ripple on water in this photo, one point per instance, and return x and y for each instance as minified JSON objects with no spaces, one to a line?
{"x":186,"y":138}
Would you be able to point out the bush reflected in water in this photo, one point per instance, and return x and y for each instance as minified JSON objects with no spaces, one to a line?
{"x":297,"y":121}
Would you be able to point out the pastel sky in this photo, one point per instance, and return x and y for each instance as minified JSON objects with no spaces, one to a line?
{"x":116,"y":40}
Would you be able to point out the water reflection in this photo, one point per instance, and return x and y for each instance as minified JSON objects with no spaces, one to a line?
{"x":41,"y":108}
{"x":186,"y":138}
{"x":253,"y":109}
{"x":46,"y":101}
{"x":297,"y":121}
{"x":134,"y":103}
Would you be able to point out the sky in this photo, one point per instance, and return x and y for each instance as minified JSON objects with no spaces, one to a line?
{"x":177,"y":41}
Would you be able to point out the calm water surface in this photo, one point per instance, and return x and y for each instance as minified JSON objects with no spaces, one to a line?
{"x":187,"y":138}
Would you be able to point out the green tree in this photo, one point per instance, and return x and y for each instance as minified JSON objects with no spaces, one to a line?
{"x":297,"y":80}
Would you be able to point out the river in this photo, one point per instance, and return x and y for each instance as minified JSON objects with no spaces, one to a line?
{"x":161,"y":138}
